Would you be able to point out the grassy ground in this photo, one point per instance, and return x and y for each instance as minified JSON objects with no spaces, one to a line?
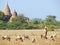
{"x":32,"y":34}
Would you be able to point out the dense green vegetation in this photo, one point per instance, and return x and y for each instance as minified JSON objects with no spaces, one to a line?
{"x":22,"y":22}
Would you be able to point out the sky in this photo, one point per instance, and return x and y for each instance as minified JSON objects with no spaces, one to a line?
{"x":34,"y":8}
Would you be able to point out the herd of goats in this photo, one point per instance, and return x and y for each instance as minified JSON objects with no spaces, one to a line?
{"x":21,"y":38}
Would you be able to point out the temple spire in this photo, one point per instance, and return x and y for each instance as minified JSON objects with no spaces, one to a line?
{"x":14,"y":15}
{"x":7,"y":10}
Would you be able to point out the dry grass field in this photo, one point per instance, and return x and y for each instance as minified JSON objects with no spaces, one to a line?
{"x":32,"y":34}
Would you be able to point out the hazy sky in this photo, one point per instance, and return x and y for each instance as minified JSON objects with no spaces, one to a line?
{"x":34,"y":8}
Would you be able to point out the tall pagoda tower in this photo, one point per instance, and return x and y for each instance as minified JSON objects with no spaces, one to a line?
{"x":7,"y":13}
{"x":14,"y":14}
{"x":7,"y":10}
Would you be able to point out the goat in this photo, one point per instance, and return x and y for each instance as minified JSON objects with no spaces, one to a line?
{"x":19,"y":37}
{"x":41,"y":36}
{"x":6,"y":37}
{"x":53,"y":36}
{"x":26,"y":36}
{"x":33,"y":40}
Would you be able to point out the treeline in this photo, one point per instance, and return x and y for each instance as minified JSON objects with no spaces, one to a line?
{"x":22,"y":22}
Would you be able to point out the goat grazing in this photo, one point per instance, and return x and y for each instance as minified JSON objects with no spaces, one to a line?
{"x":6,"y":37}
{"x":26,"y":36}
{"x":33,"y":40}
{"x":19,"y":37}
{"x":53,"y":36}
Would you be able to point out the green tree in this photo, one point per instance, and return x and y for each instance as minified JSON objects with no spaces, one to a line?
{"x":1,"y":15}
{"x":22,"y":18}
{"x":36,"y":21}
{"x":50,"y":20}
{"x":2,"y":25}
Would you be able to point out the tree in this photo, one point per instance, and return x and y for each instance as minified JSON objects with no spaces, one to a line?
{"x":50,"y":20}
{"x":22,"y":18}
{"x":51,"y":17}
{"x":36,"y":21}
{"x":1,"y":15}
{"x":2,"y":25}
{"x":19,"y":22}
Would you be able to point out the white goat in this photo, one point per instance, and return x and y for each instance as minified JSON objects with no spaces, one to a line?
{"x":6,"y":37}
{"x":19,"y":37}
{"x":33,"y":40}
{"x":53,"y":36}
